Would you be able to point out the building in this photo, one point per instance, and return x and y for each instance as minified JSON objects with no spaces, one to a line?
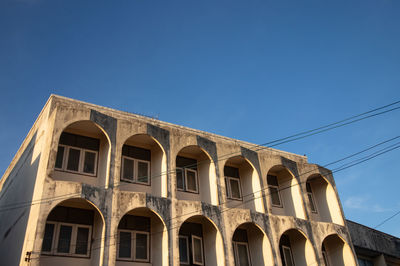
{"x":372,"y":247}
{"x":94,"y":186}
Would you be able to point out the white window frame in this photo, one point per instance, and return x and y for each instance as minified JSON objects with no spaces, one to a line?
{"x":135,"y":170}
{"x":235,"y":244}
{"x":284,"y":254}
{"x":187,"y":251}
{"x":325,"y":257}
{"x":195,"y":181}
{"x":133,"y":245}
{"x":81,"y":160}
{"x":312,"y":201}
{"x":202,"y":251}
{"x":228,"y":184}
{"x":279,"y":196}
{"x":72,"y":244}
{"x":183,"y":178}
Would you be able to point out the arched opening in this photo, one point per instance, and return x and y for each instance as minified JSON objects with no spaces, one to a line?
{"x":200,"y":243}
{"x":284,"y":193}
{"x":322,"y":200}
{"x":144,"y":166}
{"x":73,"y":235}
{"x":83,"y":154}
{"x":195,"y":176}
{"x":336,"y":252}
{"x":242,"y":183}
{"x":296,"y":249}
{"x":142,"y":239}
{"x":251,"y":246}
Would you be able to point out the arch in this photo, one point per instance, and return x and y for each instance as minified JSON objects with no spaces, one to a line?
{"x":136,"y":228}
{"x":284,"y":192}
{"x":295,"y":245}
{"x":200,"y":233}
{"x":249,"y":238}
{"x":193,"y":161}
{"x":83,"y":154}
{"x":335,"y":251}
{"x":320,"y":191}
{"x":242,"y":183}
{"x":145,"y":150}
{"x":74,"y":232}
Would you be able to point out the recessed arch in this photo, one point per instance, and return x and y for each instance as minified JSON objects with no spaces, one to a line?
{"x":251,"y":245}
{"x":143,"y":165}
{"x":200,"y":242}
{"x":196,"y":177}
{"x":73,"y":234}
{"x":335,"y":251}
{"x":142,"y":237}
{"x":284,"y":192}
{"x":322,"y":200}
{"x":242,"y":183}
{"x":83,"y":154}
{"x":294,"y":245}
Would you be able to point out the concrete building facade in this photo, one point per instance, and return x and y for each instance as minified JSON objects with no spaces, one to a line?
{"x":95,"y":186}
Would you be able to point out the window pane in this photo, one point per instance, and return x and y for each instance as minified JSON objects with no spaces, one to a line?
{"x":308,"y":187}
{"x":183,"y":256}
{"x":60,"y":157}
{"x":191,"y":180}
{"x":90,"y":162}
{"x":82,"y":238}
{"x":64,"y":239}
{"x":124,"y":245}
{"x":127,"y":173}
{"x":141,"y":246}
{"x":312,"y":204}
{"x":243,"y":255}
{"x":179,"y":178}
{"x":235,"y":188}
{"x":274,"y":192}
{"x":197,"y":250}
{"x":288,"y":257}
{"x":143,"y":172}
{"x":48,"y":237}
{"x":73,"y":159}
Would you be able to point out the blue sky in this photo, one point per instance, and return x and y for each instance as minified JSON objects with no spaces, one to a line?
{"x":252,"y":70}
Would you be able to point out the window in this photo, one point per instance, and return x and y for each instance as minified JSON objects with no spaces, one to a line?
{"x":287,"y":256}
{"x":66,"y":239}
{"x":134,"y":238}
{"x":186,"y":174}
{"x":136,"y":165}
{"x":232,"y":183}
{"x":364,"y":262}
{"x":273,"y":188}
{"x":197,"y":248}
{"x":77,"y":154}
{"x":242,"y":257}
{"x":325,"y":257}
{"x":311,"y":197}
{"x":133,"y":245}
{"x":184,"y":250}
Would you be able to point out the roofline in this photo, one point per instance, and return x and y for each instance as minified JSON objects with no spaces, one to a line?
{"x":373,"y":229}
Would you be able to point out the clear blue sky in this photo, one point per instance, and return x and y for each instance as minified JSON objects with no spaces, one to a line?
{"x":252,"y":70}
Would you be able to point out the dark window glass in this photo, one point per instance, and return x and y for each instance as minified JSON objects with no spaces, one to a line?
{"x":235,"y":188}
{"x":136,"y":152}
{"x":48,"y":237}
{"x":191,"y":180}
{"x":124,"y":245}
{"x":128,"y":169}
{"x":243,"y":255}
{"x":186,"y":162}
{"x":183,"y":256}
{"x":231,"y":171}
{"x":179,"y":179}
{"x":312,"y":204}
{"x":73,"y":159}
{"x":82,"y":238}
{"x":274,"y":192}
{"x":64,"y":239}
{"x":141,"y":246}
{"x":60,"y":157}
{"x":308,"y":187}
{"x":89,"y":163}
{"x":272,"y":180}
{"x":79,"y":141}
{"x":143,"y":172}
